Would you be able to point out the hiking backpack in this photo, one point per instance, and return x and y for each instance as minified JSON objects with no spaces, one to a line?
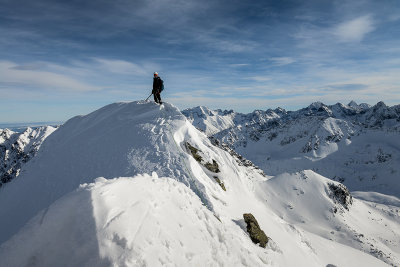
{"x":161,"y":85}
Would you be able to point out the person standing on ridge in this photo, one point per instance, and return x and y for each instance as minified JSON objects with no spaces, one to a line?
{"x":158,"y":86}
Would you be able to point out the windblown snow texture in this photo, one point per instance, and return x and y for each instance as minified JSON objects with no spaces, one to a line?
{"x":121,"y":139}
{"x":155,"y":204}
{"x":136,"y":221}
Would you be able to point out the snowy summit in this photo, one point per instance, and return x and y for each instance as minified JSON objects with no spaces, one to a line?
{"x":136,"y":184}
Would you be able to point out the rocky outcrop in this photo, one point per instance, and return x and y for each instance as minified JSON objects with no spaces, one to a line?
{"x":256,"y":234}
{"x":221,"y":184}
{"x":211,"y":166}
{"x":17,"y":148}
{"x":196,"y":153}
{"x":340,"y":195}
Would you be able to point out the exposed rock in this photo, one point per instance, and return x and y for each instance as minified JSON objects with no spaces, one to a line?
{"x":256,"y":234}
{"x":194,"y":152}
{"x":212,"y":166}
{"x":221,"y":184}
{"x":382,"y":157}
{"x":17,"y":148}
{"x":340,"y":194}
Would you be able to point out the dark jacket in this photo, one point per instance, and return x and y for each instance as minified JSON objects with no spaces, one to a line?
{"x":157,"y":84}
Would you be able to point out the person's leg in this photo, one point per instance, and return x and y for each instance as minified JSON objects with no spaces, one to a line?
{"x":159,"y":97}
{"x":155,"y":97}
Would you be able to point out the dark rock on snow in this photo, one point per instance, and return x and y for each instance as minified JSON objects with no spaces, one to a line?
{"x":340,"y":194}
{"x":256,"y":234}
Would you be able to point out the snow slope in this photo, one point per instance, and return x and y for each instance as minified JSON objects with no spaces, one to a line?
{"x":123,"y":222}
{"x":59,"y":208}
{"x":311,"y":204}
{"x":120,"y":139}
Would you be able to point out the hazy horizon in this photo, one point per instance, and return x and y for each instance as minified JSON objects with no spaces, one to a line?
{"x":22,"y":124}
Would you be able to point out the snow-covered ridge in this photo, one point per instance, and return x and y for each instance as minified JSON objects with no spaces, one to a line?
{"x":121,"y":139}
{"x":17,"y":148}
{"x":160,"y":201}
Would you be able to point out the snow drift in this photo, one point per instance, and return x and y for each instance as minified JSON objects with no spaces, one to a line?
{"x":122,"y":139}
{"x":123,"y":222}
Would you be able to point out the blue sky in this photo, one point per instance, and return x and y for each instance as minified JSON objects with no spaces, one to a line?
{"x":59,"y":59}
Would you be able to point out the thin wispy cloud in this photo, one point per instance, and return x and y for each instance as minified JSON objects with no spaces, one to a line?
{"x":394,"y":17}
{"x":346,"y":87}
{"x":26,"y":76}
{"x":354,"y":30}
{"x":282,"y":61}
{"x":248,"y":54}
{"x":259,"y":78}
{"x":239,"y":65}
{"x":125,"y":67}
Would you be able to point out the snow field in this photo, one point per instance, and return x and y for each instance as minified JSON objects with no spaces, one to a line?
{"x":308,"y":206}
{"x":136,"y":221}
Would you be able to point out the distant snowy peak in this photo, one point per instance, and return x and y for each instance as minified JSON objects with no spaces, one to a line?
{"x":209,"y":121}
{"x":17,"y":148}
{"x":353,"y":104}
{"x":212,"y":122}
{"x":316,"y":105}
{"x":362,"y":106}
{"x":338,"y":110}
{"x":382,"y":115}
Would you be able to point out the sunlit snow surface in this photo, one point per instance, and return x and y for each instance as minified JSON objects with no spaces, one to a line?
{"x":167,"y":209}
{"x":136,"y":221}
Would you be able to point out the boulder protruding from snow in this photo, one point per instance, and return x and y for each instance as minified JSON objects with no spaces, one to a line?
{"x":341,"y":195}
{"x":256,"y":234}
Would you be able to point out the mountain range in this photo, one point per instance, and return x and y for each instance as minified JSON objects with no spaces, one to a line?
{"x":357,"y":145}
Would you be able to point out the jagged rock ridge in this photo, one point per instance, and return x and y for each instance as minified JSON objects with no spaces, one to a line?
{"x":17,"y":148}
